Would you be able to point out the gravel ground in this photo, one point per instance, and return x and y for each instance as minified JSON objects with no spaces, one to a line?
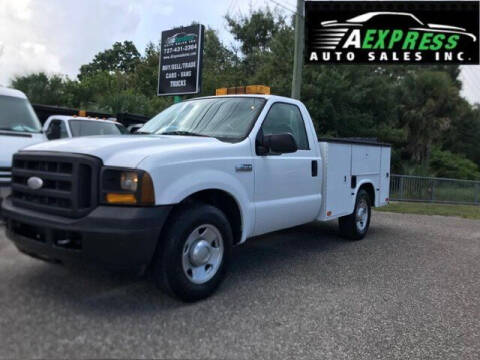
{"x":411,"y":289}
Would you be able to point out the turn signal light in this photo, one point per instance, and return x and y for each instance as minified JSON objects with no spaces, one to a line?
{"x":148,"y":194}
{"x":238,"y":90}
{"x":114,"y":198}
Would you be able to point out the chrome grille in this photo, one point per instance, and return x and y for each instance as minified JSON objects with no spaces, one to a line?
{"x":70,"y":182}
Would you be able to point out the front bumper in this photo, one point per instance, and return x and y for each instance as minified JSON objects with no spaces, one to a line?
{"x":122,"y":238}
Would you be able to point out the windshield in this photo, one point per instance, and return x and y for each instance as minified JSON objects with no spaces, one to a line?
{"x":88,"y":128}
{"x":228,"y":118}
{"x":17,"y":114}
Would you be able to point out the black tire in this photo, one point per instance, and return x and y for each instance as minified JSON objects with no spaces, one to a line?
{"x":169,"y":272}
{"x":348,"y":224}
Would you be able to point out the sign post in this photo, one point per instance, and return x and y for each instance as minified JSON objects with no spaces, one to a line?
{"x":180,"y":70}
{"x":298,"y":55}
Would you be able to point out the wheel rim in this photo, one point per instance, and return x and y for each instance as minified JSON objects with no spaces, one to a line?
{"x":361,"y":215}
{"x":202,"y":253}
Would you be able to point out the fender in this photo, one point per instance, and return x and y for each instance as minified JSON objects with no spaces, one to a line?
{"x":170,"y":190}
{"x":359,"y":185}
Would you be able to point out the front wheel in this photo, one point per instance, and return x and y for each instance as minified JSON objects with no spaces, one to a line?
{"x":195,"y":252}
{"x":355,"y":225}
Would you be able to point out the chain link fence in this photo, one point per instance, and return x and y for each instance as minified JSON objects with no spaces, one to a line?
{"x":431,"y":189}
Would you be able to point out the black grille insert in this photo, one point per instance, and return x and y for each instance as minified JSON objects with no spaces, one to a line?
{"x":70,"y":182}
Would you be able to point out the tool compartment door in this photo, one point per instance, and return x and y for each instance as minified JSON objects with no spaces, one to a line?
{"x":365,"y":159}
{"x":337,"y":191}
{"x":385,"y":175}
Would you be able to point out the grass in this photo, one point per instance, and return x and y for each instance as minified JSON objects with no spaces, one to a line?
{"x":464,"y":211}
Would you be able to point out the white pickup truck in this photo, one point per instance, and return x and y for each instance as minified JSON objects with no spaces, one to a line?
{"x":200,"y":177}
{"x":62,"y":126}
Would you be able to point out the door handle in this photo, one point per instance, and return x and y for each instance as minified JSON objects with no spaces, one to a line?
{"x":314,"y":168}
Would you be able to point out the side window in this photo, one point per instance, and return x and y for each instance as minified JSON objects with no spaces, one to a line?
{"x":63,"y":130}
{"x":286,"y":118}
{"x":56,"y":130}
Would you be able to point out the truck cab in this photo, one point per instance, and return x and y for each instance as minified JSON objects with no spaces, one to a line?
{"x":62,"y":126}
{"x":19,"y":127}
{"x":200,"y":177}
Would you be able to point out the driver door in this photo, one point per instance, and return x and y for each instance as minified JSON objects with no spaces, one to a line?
{"x":287,"y":187}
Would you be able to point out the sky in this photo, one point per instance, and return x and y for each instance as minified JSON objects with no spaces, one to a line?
{"x":57,"y":36}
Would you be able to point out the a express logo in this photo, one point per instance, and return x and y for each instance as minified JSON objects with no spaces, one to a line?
{"x":432,"y":32}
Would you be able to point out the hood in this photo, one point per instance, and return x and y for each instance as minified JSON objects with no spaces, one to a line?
{"x":11,"y":142}
{"x":125,"y":150}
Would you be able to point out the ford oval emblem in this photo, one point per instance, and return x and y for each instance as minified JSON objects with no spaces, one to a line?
{"x":34,"y":183}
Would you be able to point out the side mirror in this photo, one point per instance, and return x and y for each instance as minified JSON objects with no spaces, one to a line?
{"x":277,"y":144}
{"x":53,"y":132}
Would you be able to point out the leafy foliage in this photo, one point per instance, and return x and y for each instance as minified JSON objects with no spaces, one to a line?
{"x":44,"y":89}
{"x":427,"y":101}
{"x":449,"y":165}
{"x":418,"y":109}
{"x":121,"y":57}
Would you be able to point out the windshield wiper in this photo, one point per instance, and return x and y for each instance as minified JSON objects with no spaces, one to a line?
{"x":186,"y":133}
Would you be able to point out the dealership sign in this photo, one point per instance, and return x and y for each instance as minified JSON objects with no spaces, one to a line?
{"x":411,"y":32}
{"x":180,"y":70}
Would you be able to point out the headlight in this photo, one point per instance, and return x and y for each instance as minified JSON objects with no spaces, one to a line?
{"x":129,"y":181}
{"x":126,"y":187}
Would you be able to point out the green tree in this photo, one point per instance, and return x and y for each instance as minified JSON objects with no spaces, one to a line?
{"x":145,"y":77}
{"x":349,"y":101}
{"x":276,"y":61}
{"x":426,"y":108}
{"x":449,"y":165}
{"x":254,"y":33}
{"x":122,"y":57}
{"x":220,"y":65}
{"x":464,"y":132}
{"x":41,"y":88}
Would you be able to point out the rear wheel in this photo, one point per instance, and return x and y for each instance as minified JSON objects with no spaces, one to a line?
{"x":355,"y":225}
{"x":195,"y":252}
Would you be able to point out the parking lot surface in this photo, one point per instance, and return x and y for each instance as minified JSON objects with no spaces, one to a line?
{"x":410,"y":289}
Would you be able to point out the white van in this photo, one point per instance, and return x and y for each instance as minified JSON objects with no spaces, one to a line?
{"x":19,"y":127}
